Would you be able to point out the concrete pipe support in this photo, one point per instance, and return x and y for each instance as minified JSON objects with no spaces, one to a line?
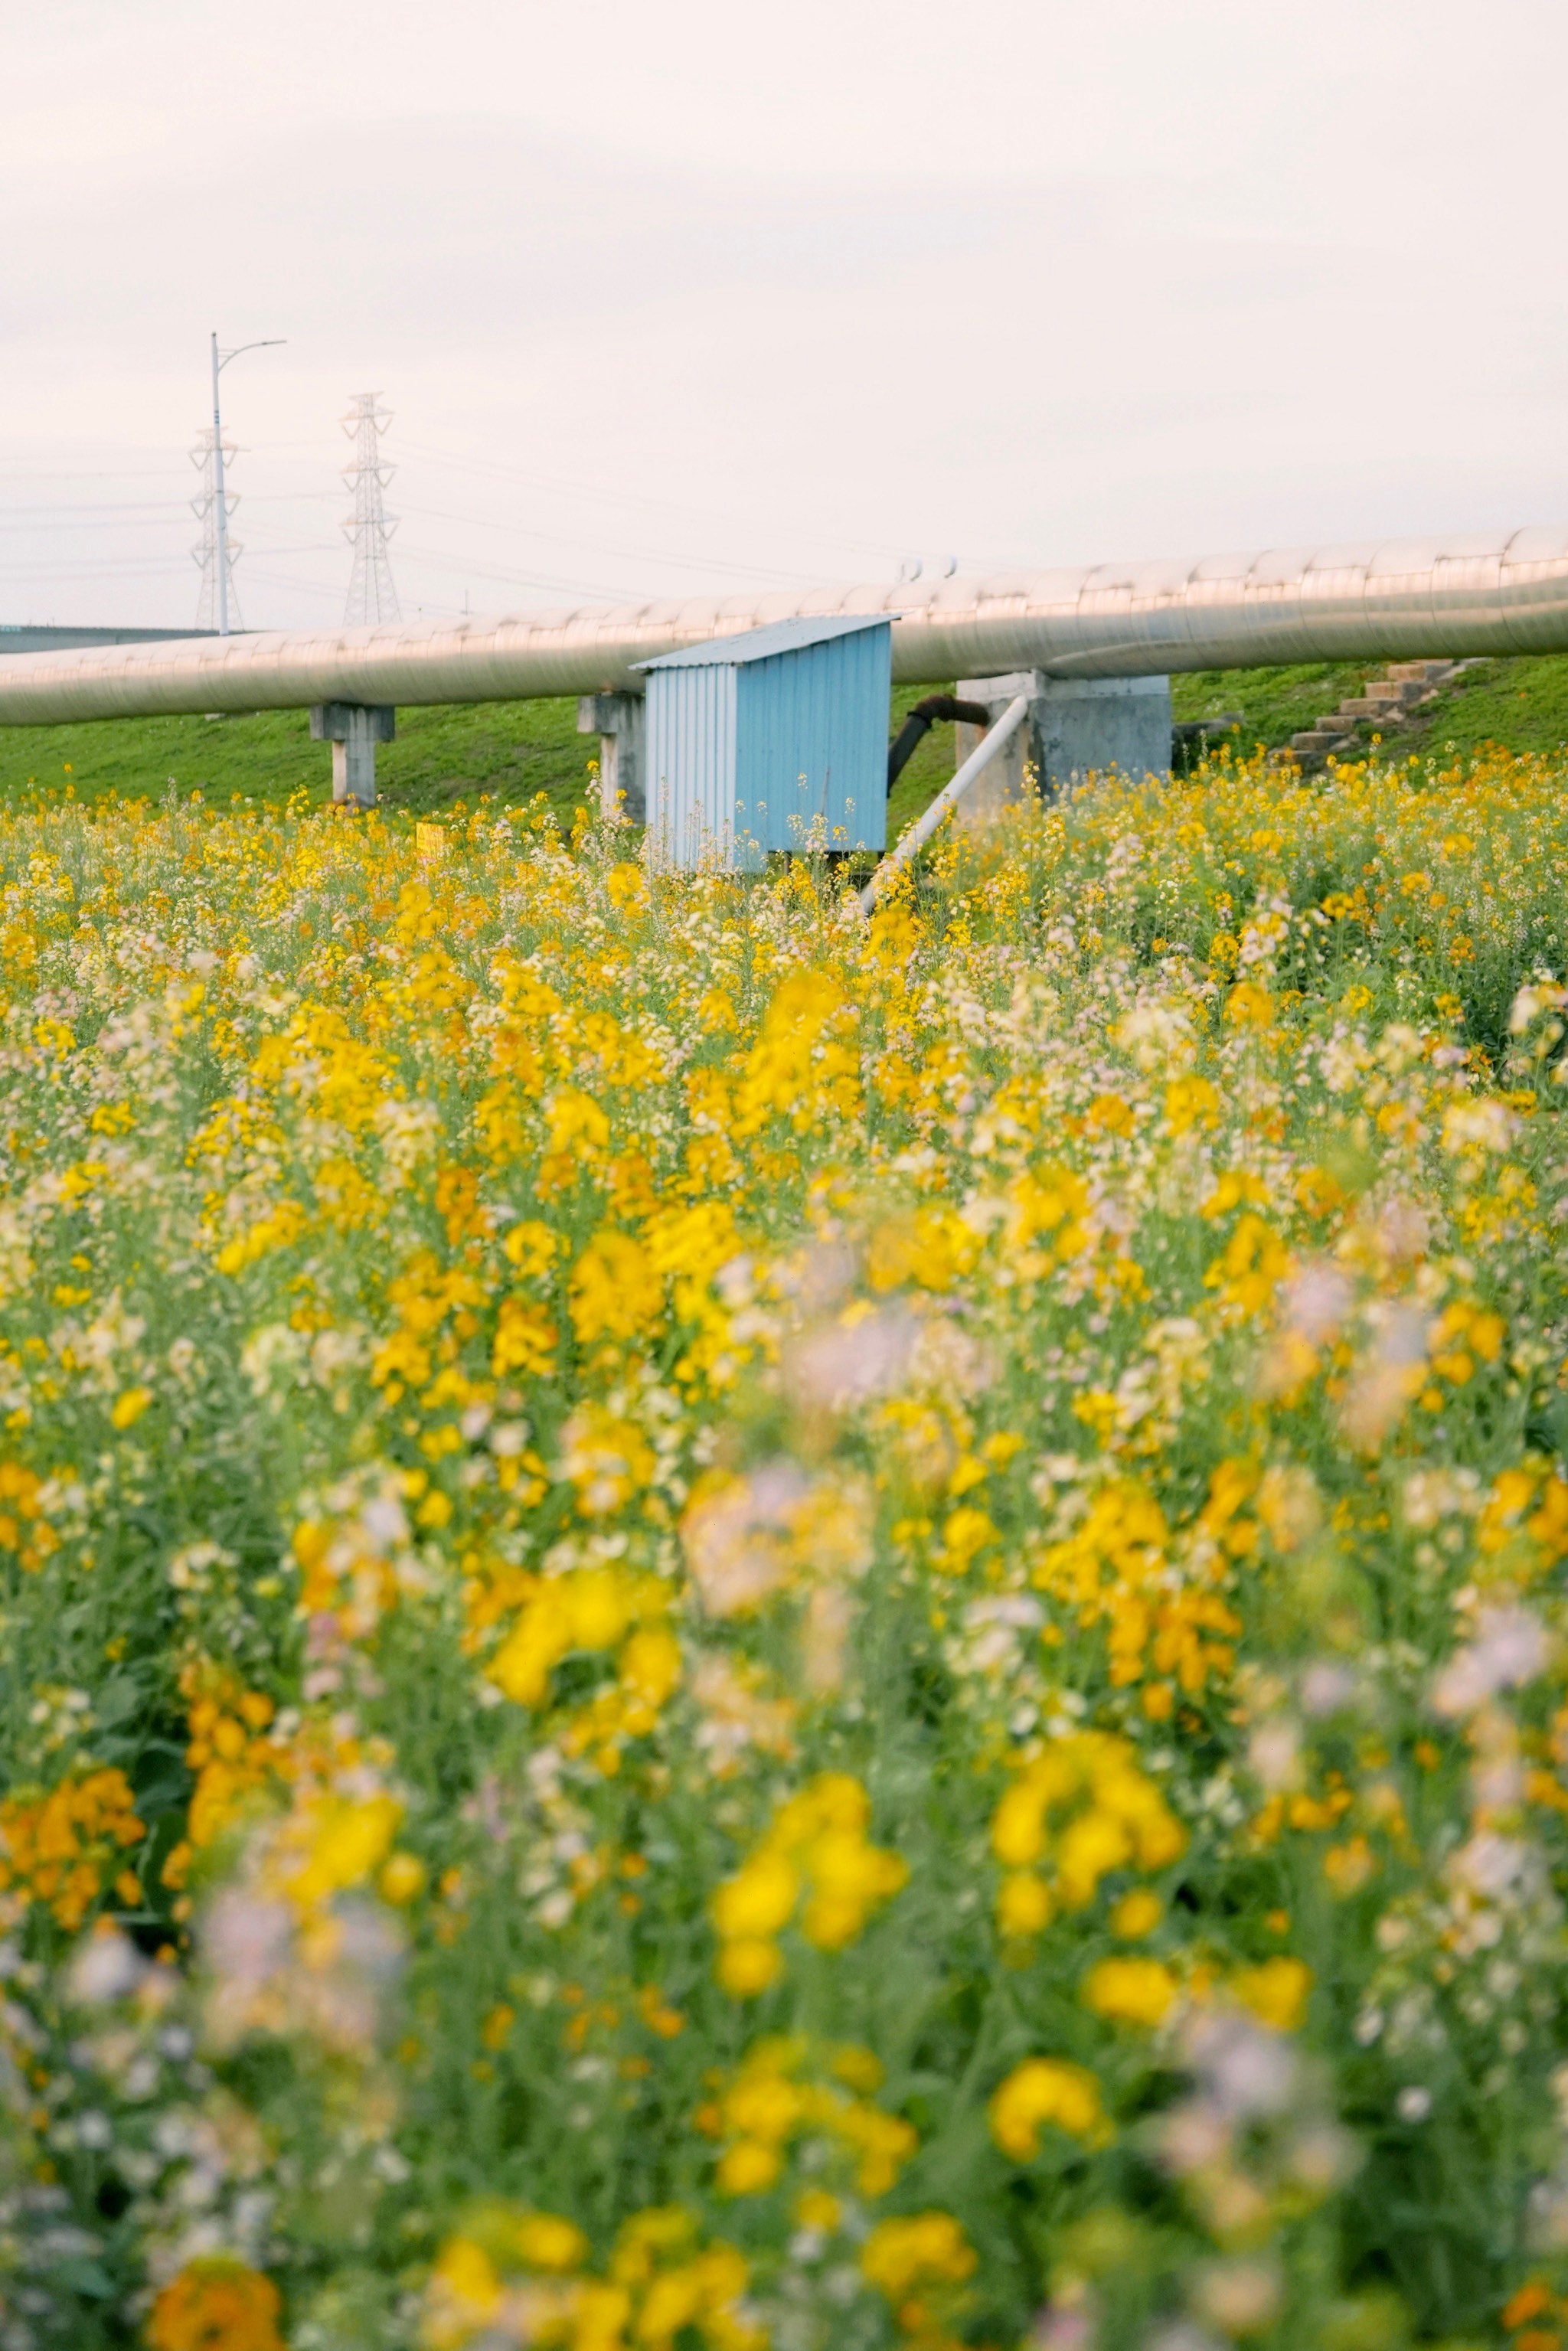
{"x":619,"y":721}
{"x":1077,"y":727}
{"x":353,"y":729}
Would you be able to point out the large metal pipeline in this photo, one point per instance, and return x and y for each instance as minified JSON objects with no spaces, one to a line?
{"x":1503,"y":593}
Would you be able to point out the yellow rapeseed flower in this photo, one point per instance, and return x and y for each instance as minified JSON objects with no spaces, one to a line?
{"x":1047,"y":2091}
{"x":215,"y":2304}
{"x":1277,"y":1992}
{"x":130,"y":1406}
{"x":927,"y":2248}
{"x":1132,"y":1991}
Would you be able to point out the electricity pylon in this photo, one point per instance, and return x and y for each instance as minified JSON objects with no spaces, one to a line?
{"x":217,"y":605}
{"x":371,"y":595}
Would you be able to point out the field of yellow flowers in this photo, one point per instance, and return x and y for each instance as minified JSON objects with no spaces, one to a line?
{"x":727,"y":1628}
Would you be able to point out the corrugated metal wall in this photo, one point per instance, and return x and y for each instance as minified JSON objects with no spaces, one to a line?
{"x":812,"y":745}
{"x":691,"y":754}
{"x":788,"y":752}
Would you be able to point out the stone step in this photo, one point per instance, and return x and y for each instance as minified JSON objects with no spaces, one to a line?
{"x":1369,"y":705}
{"x":1404,"y":687}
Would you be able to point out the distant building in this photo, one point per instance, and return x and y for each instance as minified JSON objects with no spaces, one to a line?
{"x":22,"y":637}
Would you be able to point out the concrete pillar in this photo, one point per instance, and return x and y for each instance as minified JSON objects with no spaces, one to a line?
{"x":618,"y":720}
{"x":1017,"y":769}
{"x":1077,"y":726}
{"x":353,"y":729}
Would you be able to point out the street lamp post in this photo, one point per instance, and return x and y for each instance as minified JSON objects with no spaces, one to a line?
{"x":220,"y":362}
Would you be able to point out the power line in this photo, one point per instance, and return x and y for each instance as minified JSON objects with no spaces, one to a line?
{"x":467,"y":569}
{"x":108,"y":571}
{"x":91,"y":473}
{"x":44,"y":522}
{"x":623,"y":500}
{"x":628,"y":554}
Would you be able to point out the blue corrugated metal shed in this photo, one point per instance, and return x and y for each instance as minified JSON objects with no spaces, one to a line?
{"x":773,"y":740}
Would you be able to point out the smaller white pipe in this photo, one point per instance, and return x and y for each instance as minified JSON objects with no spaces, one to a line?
{"x":920,"y":832}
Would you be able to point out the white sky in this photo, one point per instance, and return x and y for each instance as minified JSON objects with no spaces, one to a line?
{"x":673,"y":293}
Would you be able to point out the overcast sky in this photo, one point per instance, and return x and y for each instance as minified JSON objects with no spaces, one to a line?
{"x":672,"y":294}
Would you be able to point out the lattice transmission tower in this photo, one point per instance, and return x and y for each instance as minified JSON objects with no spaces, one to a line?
{"x":371,"y":595}
{"x":206,"y":507}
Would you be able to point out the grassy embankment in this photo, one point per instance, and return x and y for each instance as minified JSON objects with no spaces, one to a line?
{"x":511,"y":751}
{"x":1521,"y":703}
{"x":442,"y":757}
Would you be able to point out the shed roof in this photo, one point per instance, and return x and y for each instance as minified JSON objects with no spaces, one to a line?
{"x":761,"y":644}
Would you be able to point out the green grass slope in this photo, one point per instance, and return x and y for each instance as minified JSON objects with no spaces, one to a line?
{"x":1520,"y":703}
{"x":512,"y":750}
{"x":454,"y":751}
{"x":1273,"y":704}
{"x":442,"y":754}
